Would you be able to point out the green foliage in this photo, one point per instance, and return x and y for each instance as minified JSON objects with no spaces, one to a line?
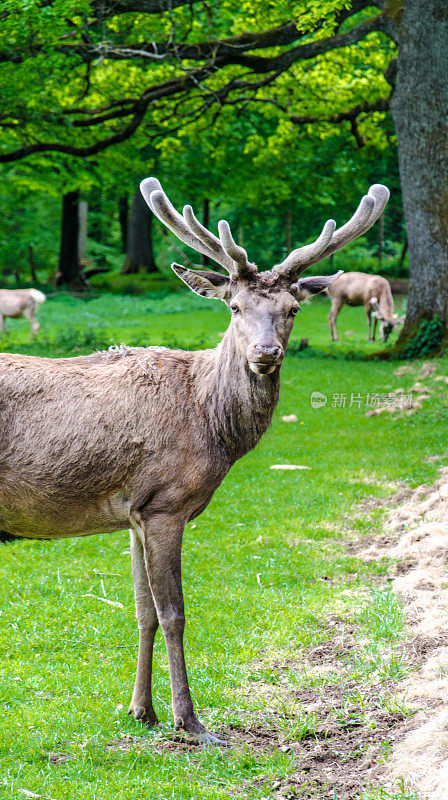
{"x":427,"y":340}
{"x":247,"y":157}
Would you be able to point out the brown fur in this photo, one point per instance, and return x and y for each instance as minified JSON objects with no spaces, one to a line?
{"x":137,"y":438}
{"x":360,"y":289}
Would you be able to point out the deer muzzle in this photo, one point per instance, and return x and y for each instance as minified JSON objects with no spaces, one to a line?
{"x":263,"y":359}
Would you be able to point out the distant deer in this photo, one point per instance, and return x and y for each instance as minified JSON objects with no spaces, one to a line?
{"x":148,"y":434}
{"x":17,"y":303}
{"x":370,"y":291}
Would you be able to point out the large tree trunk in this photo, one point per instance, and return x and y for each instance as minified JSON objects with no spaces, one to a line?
{"x":140,"y":254}
{"x":68,"y":269}
{"x":419,"y":110}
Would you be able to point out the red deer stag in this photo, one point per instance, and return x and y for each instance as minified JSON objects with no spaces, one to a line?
{"x":371,"y":291}
{"x":148,"y":434}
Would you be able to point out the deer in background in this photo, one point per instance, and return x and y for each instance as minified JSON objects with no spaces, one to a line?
{"x":148,"y":434}
{"x":370,"y":291}
{"x":17,"y":303}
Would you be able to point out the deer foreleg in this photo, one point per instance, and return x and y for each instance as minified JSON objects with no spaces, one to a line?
{"x":336,"y":306}
{"x":369,"y":323}
{"x":162,"y":545}
{"x":2,"y":324}
{"x":28,"y":313}
{"x":141,"y":704}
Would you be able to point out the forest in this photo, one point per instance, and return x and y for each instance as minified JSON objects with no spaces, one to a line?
{"x":96,"y":98}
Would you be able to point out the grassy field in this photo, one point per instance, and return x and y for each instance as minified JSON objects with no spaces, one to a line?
{"x":267,"y":578}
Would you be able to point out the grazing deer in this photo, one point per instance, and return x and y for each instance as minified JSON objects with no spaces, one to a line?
{"x":148,"y":434}
{"x":17,"y":303}
{"x":370,"y":291}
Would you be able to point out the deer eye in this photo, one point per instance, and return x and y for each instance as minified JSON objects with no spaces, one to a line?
{"x":234,"y":308}
{"x":294,"y":311}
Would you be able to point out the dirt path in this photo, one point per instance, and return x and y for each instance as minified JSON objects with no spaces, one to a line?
{"x":416,"y":534}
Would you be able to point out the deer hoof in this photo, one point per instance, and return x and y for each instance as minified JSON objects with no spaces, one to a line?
{"x":195,"y":732}
{"x":210,"y":738}
{"x":141,"y":714}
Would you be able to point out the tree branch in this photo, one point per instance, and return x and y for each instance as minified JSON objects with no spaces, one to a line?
{"x":218,"y":55}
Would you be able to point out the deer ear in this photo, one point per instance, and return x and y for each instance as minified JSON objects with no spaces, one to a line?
{"x":306,"y":287}
{"x":204,"y":282}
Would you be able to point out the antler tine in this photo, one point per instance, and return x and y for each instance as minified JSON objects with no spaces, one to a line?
{"x":165,"y":211}
{"x":190,"y":231}
{"x":210,"y":240}
{"x":370,"y":208}
{"x":300,"y":258}
{"x":147,"y":186}
{"x":238,"y":254}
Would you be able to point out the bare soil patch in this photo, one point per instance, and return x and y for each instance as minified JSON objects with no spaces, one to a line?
{"x":416,"y":536}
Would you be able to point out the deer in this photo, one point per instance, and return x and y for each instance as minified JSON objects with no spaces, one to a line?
{"x":371,"y":291}
{"x":17,"y":303}
{"x":148,"y":434}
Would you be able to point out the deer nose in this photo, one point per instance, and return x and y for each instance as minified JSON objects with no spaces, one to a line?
{"x":267,"y":352}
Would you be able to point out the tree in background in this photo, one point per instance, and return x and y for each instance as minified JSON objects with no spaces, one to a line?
{"x":107,"y":71}
{"x":69,"y":266}
{"x":139,"y":249}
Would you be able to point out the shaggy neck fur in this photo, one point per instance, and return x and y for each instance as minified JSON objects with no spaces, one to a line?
{"x":239,"y":404}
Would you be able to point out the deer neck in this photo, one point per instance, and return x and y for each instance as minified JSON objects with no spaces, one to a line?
{"x":238,"y":404}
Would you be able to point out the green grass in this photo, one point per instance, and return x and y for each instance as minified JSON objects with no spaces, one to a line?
{"x":264,"y":570}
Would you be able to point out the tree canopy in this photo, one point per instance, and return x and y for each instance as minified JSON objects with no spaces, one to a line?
{"x":80,"y":76}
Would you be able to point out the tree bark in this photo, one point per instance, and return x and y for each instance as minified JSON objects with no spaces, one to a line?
{"x":32,"y":262}
{"x":69,"y":267}
{"x":123,"y":216}
{"x":419,"y":109}
{"x":403,"y":252}
{"x":83,"y":210}
{"x":140,"y":253}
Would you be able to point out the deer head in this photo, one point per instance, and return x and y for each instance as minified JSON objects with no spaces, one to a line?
{"x":386,"y":324}
{"x":263,"y":304}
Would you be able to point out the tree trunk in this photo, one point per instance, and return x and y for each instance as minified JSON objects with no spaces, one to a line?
{"x":123,"y":216}
{"x":403,"y":252}
{"x":419,"y":110}
{"x":68,"y":269}
{"x":32,"y":262}
{"x":139,"y":252}
{"x":205,"y":222}
{"x":83,"y":209}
